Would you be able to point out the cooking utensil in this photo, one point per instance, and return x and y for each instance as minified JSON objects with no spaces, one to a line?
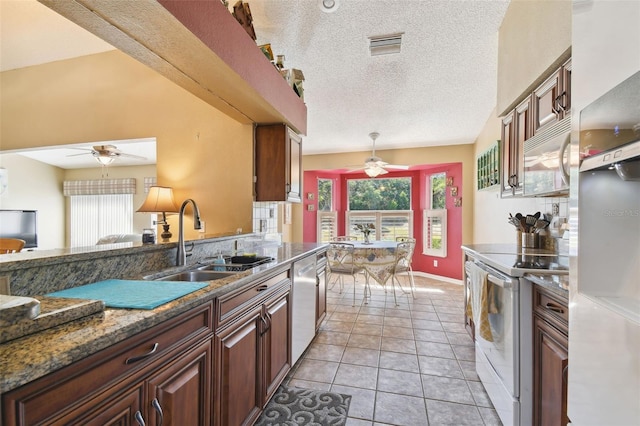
{"x":540,"y":225}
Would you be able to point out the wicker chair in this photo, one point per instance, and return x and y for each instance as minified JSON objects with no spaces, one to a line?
{"x":340,"y":263}
{"x":407,"y":269}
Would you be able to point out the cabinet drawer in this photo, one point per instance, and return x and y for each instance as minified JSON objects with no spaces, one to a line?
{"x":234,"y":303}
{"x":551,"y":307}
{"x":51,"y":397}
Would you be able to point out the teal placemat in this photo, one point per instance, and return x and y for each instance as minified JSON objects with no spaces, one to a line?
{"x":131,"y":294}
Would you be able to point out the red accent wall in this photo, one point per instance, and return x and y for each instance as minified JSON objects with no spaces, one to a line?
{"x":449,"y":266}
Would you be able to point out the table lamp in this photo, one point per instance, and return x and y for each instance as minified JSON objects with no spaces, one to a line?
{"x":160,"y":200}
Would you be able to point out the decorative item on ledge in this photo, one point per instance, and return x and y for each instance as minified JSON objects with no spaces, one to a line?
{"x":242,"y":13}
{"x":489,"y":167}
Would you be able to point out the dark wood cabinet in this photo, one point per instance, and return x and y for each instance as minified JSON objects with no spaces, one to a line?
{"x":278,"y":164}
{"x":253,"y":349}
{"x":550,"y":358}
{"x":516,"y":128}
{"x":166,"y":368}
{"x":549,"y":103}
{"x":552,"y":99}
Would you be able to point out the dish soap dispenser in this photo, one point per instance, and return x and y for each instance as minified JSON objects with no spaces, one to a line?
{"x":219,"y":261}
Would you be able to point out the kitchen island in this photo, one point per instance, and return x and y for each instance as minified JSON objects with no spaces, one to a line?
{"x":197,"y":325}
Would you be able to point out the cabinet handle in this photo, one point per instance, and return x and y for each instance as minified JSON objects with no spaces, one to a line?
{"x":139,"y":418}
{"x":263,"y":287}
{"x":141,"y":357}
{"x":556,"y":105}
{"x":264,"y":325}
{"x":565,"y":372}
{"x":553,"y":307}
{"x":156,"y":404}
{"x":562,"y":105}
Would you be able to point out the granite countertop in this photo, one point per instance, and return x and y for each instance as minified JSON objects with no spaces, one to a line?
{"x":31,"y":357}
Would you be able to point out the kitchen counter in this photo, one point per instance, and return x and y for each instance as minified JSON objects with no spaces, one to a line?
{"x":28,"y":358}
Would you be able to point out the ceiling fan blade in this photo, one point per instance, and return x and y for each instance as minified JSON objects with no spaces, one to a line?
{"x":396,"y":167}
{"x":132,"y":156}
{"x":75,"y":155}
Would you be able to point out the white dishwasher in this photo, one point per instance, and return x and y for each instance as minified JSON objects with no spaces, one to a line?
{"x":303,"y":328}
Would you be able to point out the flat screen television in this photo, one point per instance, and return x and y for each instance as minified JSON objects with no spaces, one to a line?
{"x":20,"y":224}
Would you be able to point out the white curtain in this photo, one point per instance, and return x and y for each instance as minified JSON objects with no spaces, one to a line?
{"x":96,"y":216}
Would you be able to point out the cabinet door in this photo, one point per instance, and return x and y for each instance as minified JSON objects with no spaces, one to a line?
{"x":181,"y":393}
{"x":507,"y":134}
{"x":546,"y":106}
{"x":521,"y":132}
{"x":565,"y":95}
{"x":321,"y":296}
{"x":278,"y":160}
{"x":238,"y":359}
{"x":550,"y":363}
{"x":276,"y":344}
{"x":119,"y":410}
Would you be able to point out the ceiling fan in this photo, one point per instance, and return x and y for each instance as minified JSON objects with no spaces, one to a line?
{"x":374,"y":166}
{"x":106,"y":154}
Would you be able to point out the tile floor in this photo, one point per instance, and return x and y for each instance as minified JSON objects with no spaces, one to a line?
{"x":411,"y":364}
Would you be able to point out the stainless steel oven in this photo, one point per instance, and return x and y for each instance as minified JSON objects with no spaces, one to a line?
{"x":503,"y":356}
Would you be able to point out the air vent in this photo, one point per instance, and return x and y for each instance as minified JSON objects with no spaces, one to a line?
{"x":385,"y":44}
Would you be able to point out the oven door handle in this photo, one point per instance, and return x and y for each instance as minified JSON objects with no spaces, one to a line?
{"x":499,"y":282}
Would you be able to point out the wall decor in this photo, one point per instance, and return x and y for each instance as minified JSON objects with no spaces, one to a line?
{"x":311,"y":207}
{"x":310,"y":196}
{"x":450,"y":181}
{"x":457,"y":202}
{"x":454,"y":191}
{"x":489,"y":166}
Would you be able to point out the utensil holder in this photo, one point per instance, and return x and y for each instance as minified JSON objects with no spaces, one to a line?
{"x":529,"y":240}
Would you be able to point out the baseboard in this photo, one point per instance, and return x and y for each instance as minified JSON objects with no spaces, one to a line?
{"x":438,"y":277}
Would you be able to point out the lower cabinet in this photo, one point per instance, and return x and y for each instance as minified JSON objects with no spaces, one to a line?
{"x":161,"y":376}
{"x":321,"y":292}
{"x":253,"y":353}
{"x":550,"y":358}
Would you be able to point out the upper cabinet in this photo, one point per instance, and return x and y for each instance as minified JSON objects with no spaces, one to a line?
{"x":278,"y":161}
{"x":552,"y":99}
{"x":549,"y":103}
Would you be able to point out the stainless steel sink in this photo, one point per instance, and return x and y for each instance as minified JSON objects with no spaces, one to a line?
{"x":197,"y":276}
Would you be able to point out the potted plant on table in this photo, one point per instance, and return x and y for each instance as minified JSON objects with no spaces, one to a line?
{"x":366,"y":229}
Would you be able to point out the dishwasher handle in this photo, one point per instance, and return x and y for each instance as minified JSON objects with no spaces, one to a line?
{"x":303,"y":271}
{"x":506,"y":284}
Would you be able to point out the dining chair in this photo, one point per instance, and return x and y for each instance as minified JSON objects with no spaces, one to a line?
{"x":11,"y":245}
{"x":409,"y":269}
{"x":340,"y":263}
{"x":401,"y":266}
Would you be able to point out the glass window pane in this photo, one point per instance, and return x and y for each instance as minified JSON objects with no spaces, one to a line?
{"x":438,"y":191}
{"x":379,"y":194}
{"x":325,"y":195}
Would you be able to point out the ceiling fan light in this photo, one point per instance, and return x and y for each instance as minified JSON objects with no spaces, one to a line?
{"x":104,"y":159}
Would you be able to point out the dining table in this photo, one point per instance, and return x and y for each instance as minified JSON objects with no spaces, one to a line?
{"x":377,"y":258}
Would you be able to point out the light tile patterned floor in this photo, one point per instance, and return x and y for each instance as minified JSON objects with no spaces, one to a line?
{"x":411,"y":364}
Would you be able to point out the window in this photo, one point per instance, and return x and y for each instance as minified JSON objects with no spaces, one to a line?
{"x":435,"y":219}
{"x":96,"y":216}
{"x":384,"y":202}
{"x":327,"y":217}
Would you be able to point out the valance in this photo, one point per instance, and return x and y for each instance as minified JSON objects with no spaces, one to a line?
{"x":99,"y":187}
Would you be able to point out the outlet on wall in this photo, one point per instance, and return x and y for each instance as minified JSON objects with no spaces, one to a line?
{"x":435,"y":263}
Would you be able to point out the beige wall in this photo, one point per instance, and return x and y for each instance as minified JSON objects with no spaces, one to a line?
{"x":36,"y":186}
{"x":532,"y":38}
{"x":412,"y":156}
{"x":202,"y":153}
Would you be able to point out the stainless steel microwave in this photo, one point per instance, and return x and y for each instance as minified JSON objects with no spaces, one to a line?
{"x":546,"y":161}
{"x":610,"y":128}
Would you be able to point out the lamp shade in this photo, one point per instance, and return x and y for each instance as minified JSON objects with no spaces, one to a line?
{"x":159,"y":200}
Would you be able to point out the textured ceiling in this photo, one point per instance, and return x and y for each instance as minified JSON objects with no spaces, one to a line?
{"x":439,"y":90}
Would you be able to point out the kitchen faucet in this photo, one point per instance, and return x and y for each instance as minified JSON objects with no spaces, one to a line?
{"x":181,"y":257}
